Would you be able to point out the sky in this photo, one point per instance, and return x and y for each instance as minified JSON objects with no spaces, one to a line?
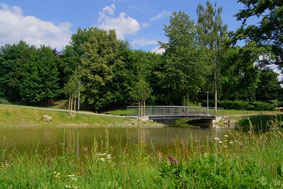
{"x":141,"y":22}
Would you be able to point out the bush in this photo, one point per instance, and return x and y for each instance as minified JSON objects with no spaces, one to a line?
{"x":260,"y":106}
{"x":3,"y":101}
{"x":260,"y":123}
{"x":242,"y":105}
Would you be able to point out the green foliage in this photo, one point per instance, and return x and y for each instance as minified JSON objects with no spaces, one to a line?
{"x":28,"y":74}
{"x":184,"y":68}
{"x":268,"y":87}
{"x":243,"y":105}
{"x":13,"y":59}
{"x":240,"y":75}
{"x":3,"y":101}
{"x":210,"y":26}
{"x":212,"y":33}
{"x":261,"y":123}
{"x":40,"y":77}
{"x":198,"y":57}
{"x":96,"y":68}
{"x":269,"y":29}
{"x":141,"y":91}
{"x":72,"y":88}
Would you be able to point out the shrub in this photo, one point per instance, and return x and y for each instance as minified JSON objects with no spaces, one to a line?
{"x":260,"y":123}
{"x":3,"y":101}
{"x":242,"y":105}
{"x":260,"y":106}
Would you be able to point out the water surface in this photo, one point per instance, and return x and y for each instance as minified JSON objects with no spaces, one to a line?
{"x":82,"y":139}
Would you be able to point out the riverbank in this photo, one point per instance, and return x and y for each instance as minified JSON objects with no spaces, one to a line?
{"x":26,"y":116}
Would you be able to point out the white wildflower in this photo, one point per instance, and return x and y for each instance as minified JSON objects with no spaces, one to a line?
{"x":102,"y":159}
{"x":216,"y":139}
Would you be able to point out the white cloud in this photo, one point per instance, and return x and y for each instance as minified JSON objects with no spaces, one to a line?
{"x":14,"y":26}
{"x":124,"y":25}
{"x":145,"y":25}
{"x":143,"y":42}
{"x":158,"y":50}
{"x":160,"y":15}
{"x":106,"y":10}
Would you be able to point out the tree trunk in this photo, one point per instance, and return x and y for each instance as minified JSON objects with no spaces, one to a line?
{"x":215,"y":85}
{"x":144,"y":107}
{"x":139,"y":111}
{"x":69,"y":103}
{"x":75,"y":105}
{"x":187,"y":98}
{"x":215,"y":81}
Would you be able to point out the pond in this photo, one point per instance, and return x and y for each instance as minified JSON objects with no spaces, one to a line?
{"x":81,"y":140}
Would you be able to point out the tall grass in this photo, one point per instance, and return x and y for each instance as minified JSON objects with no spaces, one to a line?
{"x":245,"y":160}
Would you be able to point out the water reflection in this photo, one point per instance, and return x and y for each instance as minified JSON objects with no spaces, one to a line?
{"x":81,"y":140}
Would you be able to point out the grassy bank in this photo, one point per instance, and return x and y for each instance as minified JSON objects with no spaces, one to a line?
{"x":15,"y":116}
{"x":246,"y":161}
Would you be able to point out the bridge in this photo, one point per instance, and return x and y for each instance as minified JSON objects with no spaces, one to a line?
{"x":175,"y":112}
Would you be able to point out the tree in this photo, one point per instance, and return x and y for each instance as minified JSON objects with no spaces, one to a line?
{"x":268,"y":31}
{"x":71,"y":89}
{"x":97,"y":67}
{"x":268,"y":86}
{"x":240,"y":74}
{"x":40,"y":77}
{"x":184,"y":69}
{"x":141,"y":92}
{"x":13,"y":59}
{"x":211,"y":31}
{"x":73,"y":54}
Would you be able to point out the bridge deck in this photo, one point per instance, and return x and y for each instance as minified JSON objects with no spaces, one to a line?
{"x":174,"y":112}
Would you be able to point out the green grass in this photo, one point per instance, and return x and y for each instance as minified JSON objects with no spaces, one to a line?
{"x":122,"y":111}
{"x":246,"y":161}
{"x":15,"y":116}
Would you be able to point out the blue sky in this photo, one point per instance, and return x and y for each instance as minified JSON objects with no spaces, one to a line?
{"x":141,"y":22}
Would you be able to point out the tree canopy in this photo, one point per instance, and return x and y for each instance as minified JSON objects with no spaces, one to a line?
{"x":199,"y":56}
{"x":268,"y":31}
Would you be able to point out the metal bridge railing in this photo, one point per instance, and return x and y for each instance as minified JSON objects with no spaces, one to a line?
{"x":154,"y":111}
